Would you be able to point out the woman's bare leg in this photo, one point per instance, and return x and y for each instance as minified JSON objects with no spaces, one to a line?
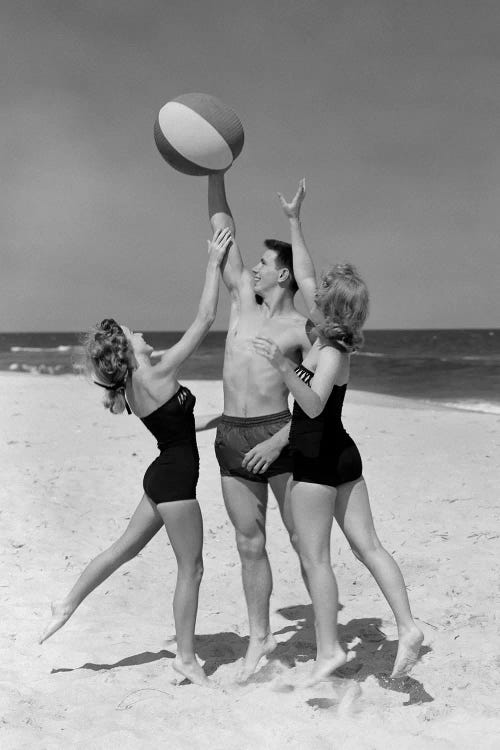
{"x":281,"y":485}
{"x":183,"y":521}
{"x":353,"y":514}
{"x":312,"y":508}
{"x":144,"y":524}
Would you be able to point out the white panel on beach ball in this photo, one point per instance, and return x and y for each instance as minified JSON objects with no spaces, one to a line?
{"x":198,"y":134}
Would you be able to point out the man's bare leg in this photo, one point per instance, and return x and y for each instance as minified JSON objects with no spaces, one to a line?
{"x":246,"y":504}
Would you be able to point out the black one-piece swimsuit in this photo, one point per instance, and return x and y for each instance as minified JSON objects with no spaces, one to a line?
{"x":174,"y":474}
{"x":322,"y":451}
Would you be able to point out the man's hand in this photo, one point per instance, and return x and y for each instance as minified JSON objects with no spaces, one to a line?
{"x":259,"y":459}
{"x":292,"y":208}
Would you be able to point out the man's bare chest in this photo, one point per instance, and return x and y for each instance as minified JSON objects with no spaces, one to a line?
{"x":283,"y":331}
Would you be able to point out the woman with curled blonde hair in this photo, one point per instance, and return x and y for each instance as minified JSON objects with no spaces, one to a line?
{"x":342,"y":299}
{"x":327,"y":468}
{"x":120,"y":363}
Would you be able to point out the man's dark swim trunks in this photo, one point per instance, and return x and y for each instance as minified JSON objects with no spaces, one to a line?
{"x":237,"y":435}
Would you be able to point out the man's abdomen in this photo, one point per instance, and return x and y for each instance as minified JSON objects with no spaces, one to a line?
{"x":252,"y":387}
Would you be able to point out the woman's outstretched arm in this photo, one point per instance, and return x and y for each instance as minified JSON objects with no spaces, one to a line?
{"x":303,"y":266}
{"x":313,"y":398}
{"x":206,"y":421}
{"x":207,"y":308}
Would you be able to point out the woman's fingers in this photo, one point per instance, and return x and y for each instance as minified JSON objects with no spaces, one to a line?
{"x":263,"y":339}
{"x":220,"y":234}
{"x":290,"y":207}
{"x":221,"y":239}
{"x":263,"y":353}
{"x":225,"y":237}
{"x":287,"y":207}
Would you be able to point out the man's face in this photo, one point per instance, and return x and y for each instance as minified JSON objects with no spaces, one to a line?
{"x":265,"y":274}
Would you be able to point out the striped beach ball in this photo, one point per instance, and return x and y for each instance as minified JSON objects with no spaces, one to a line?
{"x":198,"y":134}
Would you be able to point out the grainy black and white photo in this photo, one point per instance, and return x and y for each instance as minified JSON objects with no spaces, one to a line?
{"x":250,"y":375}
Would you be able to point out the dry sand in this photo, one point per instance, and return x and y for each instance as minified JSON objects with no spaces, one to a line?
{"x":72,"y":475}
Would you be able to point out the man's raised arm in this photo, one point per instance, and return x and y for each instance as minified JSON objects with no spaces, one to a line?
{"x":220,"y":216}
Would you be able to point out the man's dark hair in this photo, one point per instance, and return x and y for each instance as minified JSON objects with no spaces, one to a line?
{"x":284,"y":259}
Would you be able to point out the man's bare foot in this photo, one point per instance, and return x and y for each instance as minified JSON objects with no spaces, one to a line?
{"x":257,"y":649}
{"x":324,"y":668}
{"x":408,"y":650}
{"x":191,"y":671}
{"x":60,"y":615}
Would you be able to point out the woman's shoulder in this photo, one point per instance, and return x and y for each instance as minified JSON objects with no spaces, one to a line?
{"x":333,"y":363}
{"x":333,"y":350}
{"x":152,"y":382}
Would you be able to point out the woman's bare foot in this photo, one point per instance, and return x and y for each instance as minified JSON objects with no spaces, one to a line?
{"x":191,"y":671}
{"x":324,"y":668}
{"x":257,"y":648}
{"x":408,"y":650}
{"x":60,"y":615}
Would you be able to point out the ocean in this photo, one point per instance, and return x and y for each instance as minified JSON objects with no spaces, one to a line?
{"x":454,"y":367}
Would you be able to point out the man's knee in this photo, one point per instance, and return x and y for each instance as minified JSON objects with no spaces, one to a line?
{"x":251,"y":547}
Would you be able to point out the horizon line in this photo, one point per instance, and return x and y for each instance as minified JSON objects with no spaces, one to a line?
{"x":224,"y":330}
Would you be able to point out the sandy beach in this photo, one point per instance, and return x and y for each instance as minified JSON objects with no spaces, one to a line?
{"x":72,"y":476}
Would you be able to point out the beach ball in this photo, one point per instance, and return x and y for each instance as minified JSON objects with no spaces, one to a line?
{"x":198,"y":134}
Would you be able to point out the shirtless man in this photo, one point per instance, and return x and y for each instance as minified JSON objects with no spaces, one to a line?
{"x":252,"y":437}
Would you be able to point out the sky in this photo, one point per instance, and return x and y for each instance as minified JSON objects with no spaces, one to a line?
{"x":389,"y":109}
